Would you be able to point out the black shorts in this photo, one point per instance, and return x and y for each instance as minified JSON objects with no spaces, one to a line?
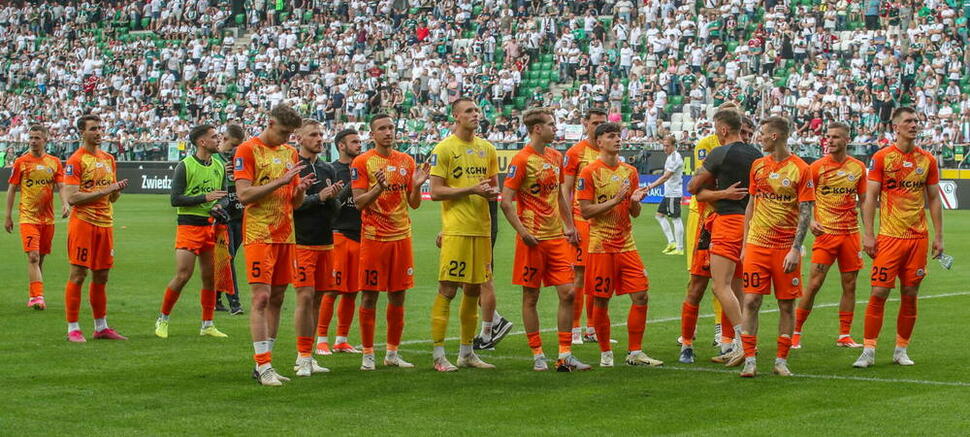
{"x":670,"y":207}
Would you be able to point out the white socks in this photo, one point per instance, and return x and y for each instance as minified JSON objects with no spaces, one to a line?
{"x":163,"y":317}
{"x":323,"y":339}
{"x":340,"y":340}
{"x":73,"y":326}
{"x":261,"y":347}
{"x":665,"y":225}
{"x":100,"y":324}
{"x":271,"y":342}
{"x":206,"y":323}
{"x":465,"y":350}
{"x":678,"y":233}
{"x":486,"y":333}
{"x":439,"y":352}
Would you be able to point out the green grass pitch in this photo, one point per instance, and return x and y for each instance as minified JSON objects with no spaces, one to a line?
{"x":202,"y":386}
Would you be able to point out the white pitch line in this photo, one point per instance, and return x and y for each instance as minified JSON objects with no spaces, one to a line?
{"x":735,"y":372}
{"x":677,"y":319}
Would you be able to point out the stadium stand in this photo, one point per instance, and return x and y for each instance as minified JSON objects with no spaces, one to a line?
{"x":154,"y":68}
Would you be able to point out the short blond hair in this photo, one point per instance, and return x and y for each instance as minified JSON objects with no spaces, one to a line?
{"x":535,"y":116}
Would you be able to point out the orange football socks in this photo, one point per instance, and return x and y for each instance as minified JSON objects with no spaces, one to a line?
{"x":395,"y":325}
{"x":36,"y":289}
{"x":535,"y":342}
{"x":168,"y":302}
{"x":208,"y":300}
{"x":345,"y":313}
{"x":784,"y":345}
{"x":906,"y":320}
{"x":636,"y":323}
{"x":99,"y":300}
{"x":325,"y":315}
{"x":750,"y":344}
{"x":72,"y":301}
{"x":367,"y":322}
{"x":845,"y":322}
{"x":688,"y":323}
{"x":874,"y":313}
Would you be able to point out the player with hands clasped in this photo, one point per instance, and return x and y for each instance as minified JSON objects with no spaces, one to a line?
{"x":268,"y":184}
{"x":608,"y":199}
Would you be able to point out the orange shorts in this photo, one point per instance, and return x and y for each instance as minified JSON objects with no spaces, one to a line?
{"x":346,"y":262}
{"x":700,"y":264}
{"x":615,"y":273}
{"x":846,"y":248}
{"x":764,"y":269}
{"x":271,"y":264}
{"x":314,"y":267}
{"x":89,"y":245}
{"x":37,"y":237}
{"x":905,"y":258}
{"x":582,"y":229}
{"x":549,"y":264}
{"x":386,"y":265}
{"x":195,"y":239}
{"x":726,"y":235}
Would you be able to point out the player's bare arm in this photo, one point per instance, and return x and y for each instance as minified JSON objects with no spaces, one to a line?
{"x":8,"y":218}
{"x":363,"y":198}
{"x":734,"y":192}
{"x":248,"y":193}
{"x":569,"y":227}
{"x":589,"y":209}
{"x":74,"y":195}
{"x":868,"y":218}
{"x":701,"y":180}
{"x":441,"y":191}
{"x":65,"y":208}
{"x":935,"y":205}
{"x":795,"y":254}
{"x":568,"y":188}
{"x":663,"y":178}
{"x":421,"y":175}
{"x":513,"y":218}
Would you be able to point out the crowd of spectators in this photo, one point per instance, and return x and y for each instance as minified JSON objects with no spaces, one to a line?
{"x":154,"y":68}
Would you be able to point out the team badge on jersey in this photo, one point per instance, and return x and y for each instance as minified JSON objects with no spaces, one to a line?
{"x":69,"y":170}
{"x":794,"y":281}
{"x":353,"y":174}
{"x":403,"y":171}
{"x":511,"y":173}
{"x":919,"y":170}
{"x":239,"y":164}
